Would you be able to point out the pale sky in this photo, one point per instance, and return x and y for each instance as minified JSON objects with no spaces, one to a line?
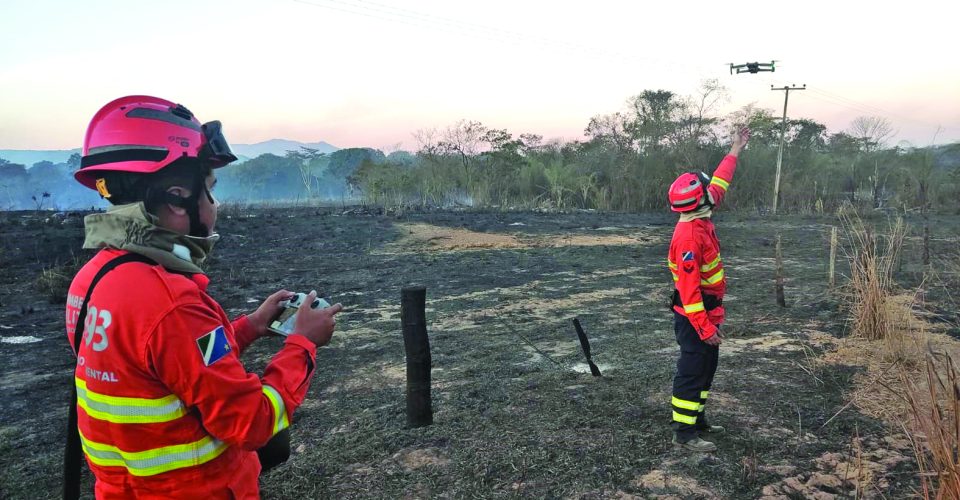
{"x":370,"y":73}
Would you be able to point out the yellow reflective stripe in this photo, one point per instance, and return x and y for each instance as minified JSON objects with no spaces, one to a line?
{"x":154,"y":461}
{"x":280,"y":420}
{"x":692,"y":308}
{"x":713,"y":280}
{"x":686,"y":405}
{"x":675,"y":277}
{"x":684,"y":419}
{"x":671,"y":265}
{"x":704,"y":394}
{"x":123,"y":410}
{"x":720,"y":182}
{"x":709,"y":267}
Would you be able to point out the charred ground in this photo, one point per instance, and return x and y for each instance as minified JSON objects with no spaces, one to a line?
{"x":516,"y":411}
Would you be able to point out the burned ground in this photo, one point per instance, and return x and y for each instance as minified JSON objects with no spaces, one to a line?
{"x":516,"y":410}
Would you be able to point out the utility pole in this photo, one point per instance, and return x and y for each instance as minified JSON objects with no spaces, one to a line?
{"x":783,"y":133}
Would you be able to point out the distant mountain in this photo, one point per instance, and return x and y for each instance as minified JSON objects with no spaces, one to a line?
{"x":29,"y":157}
{"x":244,"y":151}
{"x":279,"y":147}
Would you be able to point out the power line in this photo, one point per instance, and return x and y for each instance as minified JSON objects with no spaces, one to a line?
{"x":835,"y":99}
{"x":877,"y":109}
{"x":418,"y":19}
{"x":390,"y":13}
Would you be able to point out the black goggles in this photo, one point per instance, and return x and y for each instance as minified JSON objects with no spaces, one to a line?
{"x":215,"y":152}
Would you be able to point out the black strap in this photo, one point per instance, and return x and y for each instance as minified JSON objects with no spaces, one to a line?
{"x":585,"y":345}
{"x":710,"y":302}
{"x":115,"y":156}
{"x":71,"y":455}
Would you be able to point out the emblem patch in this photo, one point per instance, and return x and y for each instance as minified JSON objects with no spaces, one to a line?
{"x":213,"y":346}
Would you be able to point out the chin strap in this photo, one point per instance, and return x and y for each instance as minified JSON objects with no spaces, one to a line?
{"x":192,"y":205}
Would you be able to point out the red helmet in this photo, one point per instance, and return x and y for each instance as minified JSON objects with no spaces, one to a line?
{"x":143,"y":134}
{"x":689,"y":192}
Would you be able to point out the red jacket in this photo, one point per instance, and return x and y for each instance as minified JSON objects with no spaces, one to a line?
{"x":695,"y":263}
{"x":165,"y":408}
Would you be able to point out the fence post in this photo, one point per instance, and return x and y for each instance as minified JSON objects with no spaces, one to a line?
{"x":417,"y":347}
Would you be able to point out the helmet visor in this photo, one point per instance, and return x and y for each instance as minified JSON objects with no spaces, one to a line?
{"x":215,"y":152}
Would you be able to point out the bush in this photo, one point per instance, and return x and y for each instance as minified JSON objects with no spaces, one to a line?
{"x":54,"y":282}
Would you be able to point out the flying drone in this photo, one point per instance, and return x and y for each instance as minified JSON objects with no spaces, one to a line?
{"x":753,"y":67}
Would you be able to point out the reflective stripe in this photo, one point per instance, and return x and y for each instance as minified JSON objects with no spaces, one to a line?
{"x":709,"y":267}
{"x":689,"y":188}
{"x":713,"y":280}
{"x":720,"y":182}
{"x":121,"y":410}
{"x":704,"y":394}
{"x":154,"y":461}
{"x":675,"y":277}
{"x":684,"y":419}
{"x":671,"y":265}
{"x":680,"y":203}
{"x":686,"y":405}
{"x":692,"y":308}
{"x":280,"y":420}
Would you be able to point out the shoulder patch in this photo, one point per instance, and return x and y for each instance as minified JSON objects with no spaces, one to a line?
{"x":688,"y":262}
{"x":213,"y":346}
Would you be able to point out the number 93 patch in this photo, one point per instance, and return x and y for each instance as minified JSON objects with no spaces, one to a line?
{"x":213,"y":346}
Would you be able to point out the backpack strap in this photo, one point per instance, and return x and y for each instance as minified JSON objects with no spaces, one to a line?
{"x":72,"y":454}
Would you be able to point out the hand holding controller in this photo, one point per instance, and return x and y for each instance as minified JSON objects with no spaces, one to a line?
{"x":316,"y":322}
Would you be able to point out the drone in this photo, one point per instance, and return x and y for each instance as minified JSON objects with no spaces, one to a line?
{"x":753,"y":67}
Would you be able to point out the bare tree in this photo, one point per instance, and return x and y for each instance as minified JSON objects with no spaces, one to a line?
{"x":463,"y":139}
{"x":871,"y":131}
{"x":695,"y":125}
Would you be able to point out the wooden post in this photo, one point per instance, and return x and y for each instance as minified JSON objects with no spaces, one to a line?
{"x":833,"y":256}
{"x":781,"y":300}
{"x":417,"y":347}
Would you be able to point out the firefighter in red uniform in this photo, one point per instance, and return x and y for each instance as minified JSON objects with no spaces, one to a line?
{"x":165,"y":409}
{"x":698,"y":275}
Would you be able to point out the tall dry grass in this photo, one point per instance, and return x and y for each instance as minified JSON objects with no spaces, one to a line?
{"x":873,"y":259}
{"x":928,"y":382}
{"x":935,"y":427}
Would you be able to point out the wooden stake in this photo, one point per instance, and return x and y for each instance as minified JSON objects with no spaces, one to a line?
{"x":417,"y":347}
{"x":833,"y":256}
{"x":781,"y":300}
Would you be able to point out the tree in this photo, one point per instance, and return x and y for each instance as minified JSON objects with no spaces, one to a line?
{"x":655,"y":117}
{"x":463,"y":140}
{"x":73,"y":163}
{"x":344,"y":162}
{"x":871,"y":132}
{"x":610,"y":130}
{"x":311,"y":163}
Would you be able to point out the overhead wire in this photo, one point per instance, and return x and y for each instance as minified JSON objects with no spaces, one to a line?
{"x":419,"y":19}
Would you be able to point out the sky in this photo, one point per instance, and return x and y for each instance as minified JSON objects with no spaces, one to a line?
{"x":371,"y":73}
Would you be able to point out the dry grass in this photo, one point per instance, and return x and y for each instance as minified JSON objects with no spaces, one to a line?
{"x":54,"y":282}
{"x":935,"y":426}
{"x":925,"y":396}
{"x":873,"y":260}
{"x":419,"y":236}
